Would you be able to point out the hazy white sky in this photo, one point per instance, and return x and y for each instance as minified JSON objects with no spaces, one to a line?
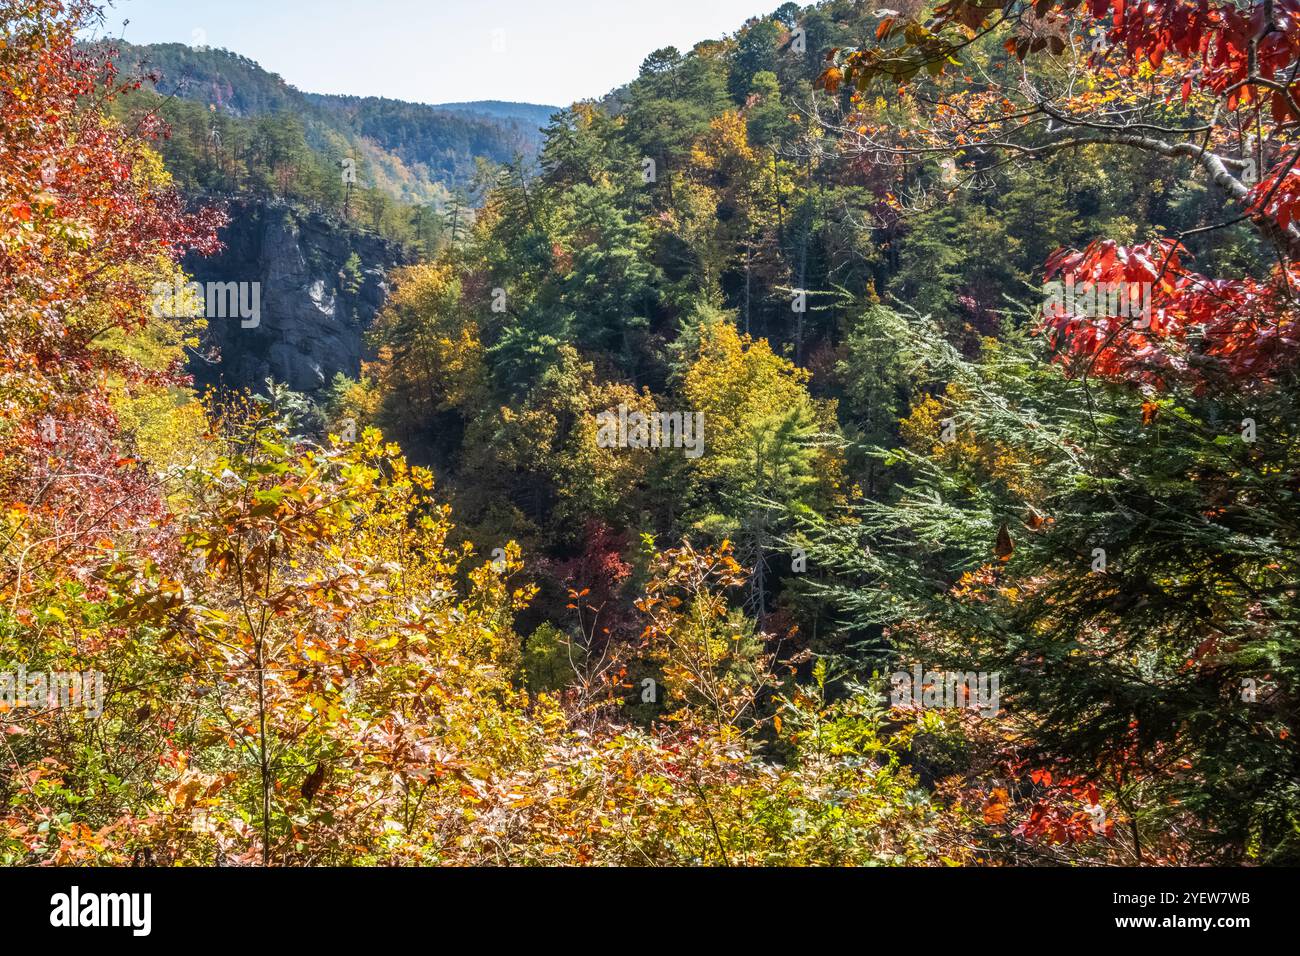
{"x":439,"y":51}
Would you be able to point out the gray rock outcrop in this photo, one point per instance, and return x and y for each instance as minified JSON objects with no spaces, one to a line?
{"x":320,"y":285}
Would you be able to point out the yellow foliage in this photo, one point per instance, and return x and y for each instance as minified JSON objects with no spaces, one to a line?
{"x":725,"y":148}
{"x":169,"y":427}
{"x":441,"y":362}
{"x":923,"y":431}
{"x":739,"y":383}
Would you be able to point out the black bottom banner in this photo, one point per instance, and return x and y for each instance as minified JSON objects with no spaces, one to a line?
{"x":142,"y":907}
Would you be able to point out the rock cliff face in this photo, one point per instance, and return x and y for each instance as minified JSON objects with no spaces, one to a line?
{"x":320,"y":286}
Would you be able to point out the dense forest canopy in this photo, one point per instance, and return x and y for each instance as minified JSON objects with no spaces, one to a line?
{"x":867,"y":438}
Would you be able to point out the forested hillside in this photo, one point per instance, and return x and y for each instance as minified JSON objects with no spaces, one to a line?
{"x":531,"y":114}
{"x":868,"y":438}
{"x":220,"y":104}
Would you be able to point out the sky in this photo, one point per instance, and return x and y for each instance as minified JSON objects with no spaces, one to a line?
{"x":440,"y":51}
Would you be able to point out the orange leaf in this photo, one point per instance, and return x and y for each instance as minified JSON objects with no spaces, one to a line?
{"x":995,"y":808}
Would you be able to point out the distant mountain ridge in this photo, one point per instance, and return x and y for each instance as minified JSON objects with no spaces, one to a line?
{"x":526,"y":112}
{"x":414,"y":151}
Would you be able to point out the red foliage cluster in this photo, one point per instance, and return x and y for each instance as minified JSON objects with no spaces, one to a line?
{"x":599,"y":573}
{"x":1064,"y":811}
{"x":1067,"y":810}
{"x":1277,"y":196}
{"x":85,"y":221}
{"x":1216,"y":35}
{"x":74,"y":216}
{"x":1196,"y":328}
